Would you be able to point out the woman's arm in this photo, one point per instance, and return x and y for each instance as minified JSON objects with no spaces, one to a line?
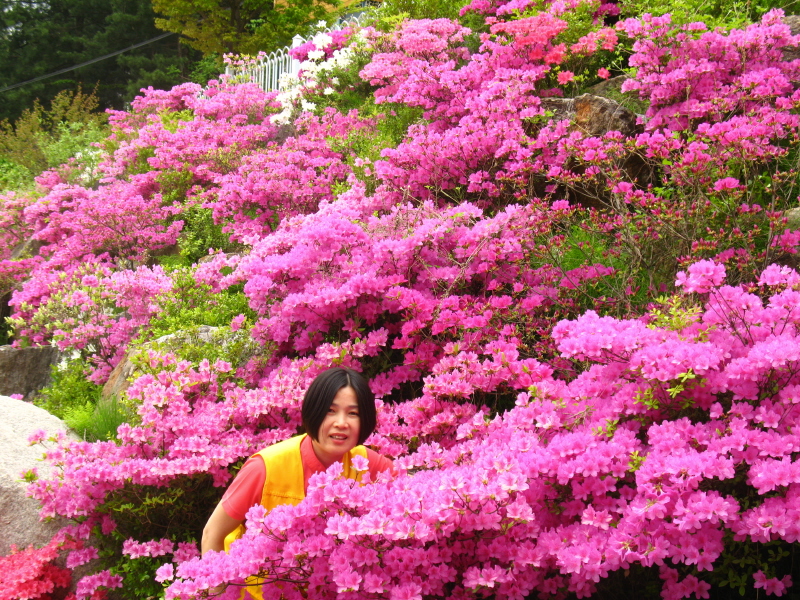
{"x":244,"y":492}
{"x":219,"y":525}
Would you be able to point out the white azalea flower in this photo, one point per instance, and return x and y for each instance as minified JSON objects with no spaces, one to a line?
{"x":322,"y":40}
{"x":282,"y":118}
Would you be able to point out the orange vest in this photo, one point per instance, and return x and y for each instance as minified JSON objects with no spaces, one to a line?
{"x":284,"y":485}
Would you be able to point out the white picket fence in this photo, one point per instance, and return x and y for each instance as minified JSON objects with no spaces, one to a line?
{"x":267,"y":72}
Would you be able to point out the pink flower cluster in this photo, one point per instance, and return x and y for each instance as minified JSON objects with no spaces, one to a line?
{"x":304,"y":167}
{"x":542,"y":446}
{"x":689,"y":79}
{"x":30,"y":573}
{"x":577,"y":480}
{"x":90,"y":307}
{"x":182,"y":551}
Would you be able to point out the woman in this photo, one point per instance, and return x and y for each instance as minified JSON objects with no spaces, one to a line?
{"x":338,"y":415}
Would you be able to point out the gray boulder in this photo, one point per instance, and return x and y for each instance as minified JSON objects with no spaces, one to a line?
{"x":792,"y":219}
{"x":119,"y":380}
{"x":793,"y":21}
{"x":25,"y":370}
{"x":610,"y":88}
{"x":19,"y":515}
{"x":27,"y":249}
{"x":593,"y":115}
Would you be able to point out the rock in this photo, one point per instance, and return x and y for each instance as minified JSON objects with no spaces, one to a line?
{"x":27,"y":249}
{"x":119,"y":379}
{"x":19,"y":515}
{"x":793,"y":21}
{"x":285,"y":131}
{"x":203,"y":334}
{"x":792,"y":218}
{"x":25,"y":370}
{"x":170,"y":250}
{"x":594,"y":115}
{"x":610,"y":88}
{"x":227,"y":255}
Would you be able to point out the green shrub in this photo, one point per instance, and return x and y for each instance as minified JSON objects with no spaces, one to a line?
{"x":222,"y":344}
{"x":79,"y":418}
{"x":69,"y":391}
{"x":73,"y":140}
{"x":392,"y":122}
{"x":76,"y":400}
{"x":97,"y":422}
{"x":12,"y":175}
{"x":191,"y":304}
{"x":47,"y":138}
{"x":714,"y":13}
{"x":200,"y":233}
{"x":207,"y":68}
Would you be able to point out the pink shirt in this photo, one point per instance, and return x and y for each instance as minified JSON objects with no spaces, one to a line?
{"x":247,"y":487}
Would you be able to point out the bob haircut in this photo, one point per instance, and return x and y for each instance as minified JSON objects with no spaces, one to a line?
{"x":320,"y":394}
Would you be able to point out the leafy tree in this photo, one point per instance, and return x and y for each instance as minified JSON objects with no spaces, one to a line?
{"x":42,"y":37}
{"x":242,"y":26}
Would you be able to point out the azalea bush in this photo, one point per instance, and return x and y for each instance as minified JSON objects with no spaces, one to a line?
{"x":582,"y":336}
{"x":30,"y":573}
{"x":675,"y":438}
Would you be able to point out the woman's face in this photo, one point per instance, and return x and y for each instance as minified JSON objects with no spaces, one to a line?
{"x":340,"y":428}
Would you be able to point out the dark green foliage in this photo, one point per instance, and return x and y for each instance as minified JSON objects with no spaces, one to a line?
{"x":76,"y":31}
{"x":147,"y":513}
{"x":636,"y":583}
{"x":207,"y":68}
{"x":5,"y":334}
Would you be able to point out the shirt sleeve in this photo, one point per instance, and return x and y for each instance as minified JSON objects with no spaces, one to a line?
{"x":378,"y":464}
{"x":246,"y":489}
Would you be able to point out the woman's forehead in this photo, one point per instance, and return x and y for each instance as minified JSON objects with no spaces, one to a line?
{"x":345,"y":397}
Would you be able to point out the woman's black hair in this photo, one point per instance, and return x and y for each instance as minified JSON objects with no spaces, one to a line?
{"x":323,"y":389}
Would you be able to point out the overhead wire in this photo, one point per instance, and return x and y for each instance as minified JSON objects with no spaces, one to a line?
{"x":88,"y":62}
